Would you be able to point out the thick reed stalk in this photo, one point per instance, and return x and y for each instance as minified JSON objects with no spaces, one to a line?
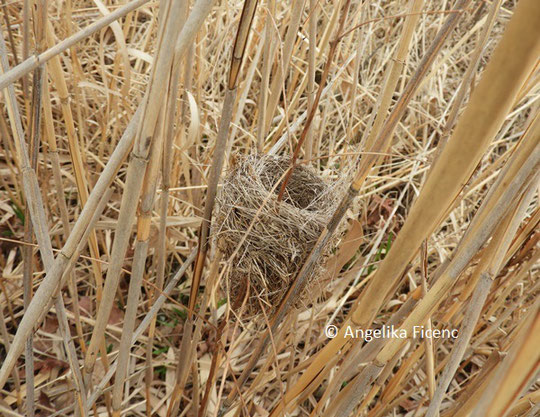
{"x":268,"y":61}
{"x":164,"y":127}
{"x":471,"y":70}
{"x":138,"y":268}
{"x":221,"y":141}
{"x":463,"y":88}
{"x":167,"y":159}
{"x":27,"y":250}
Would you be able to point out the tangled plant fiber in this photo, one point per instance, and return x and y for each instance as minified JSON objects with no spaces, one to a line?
{"x":282,"y":234}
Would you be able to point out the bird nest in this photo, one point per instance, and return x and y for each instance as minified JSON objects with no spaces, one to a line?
{"x":268,"y":242}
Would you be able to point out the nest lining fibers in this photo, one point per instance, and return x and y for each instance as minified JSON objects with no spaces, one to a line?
{"x":279,"y":242}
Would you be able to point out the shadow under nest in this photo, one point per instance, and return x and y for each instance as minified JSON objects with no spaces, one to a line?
{"x":279,"y":236}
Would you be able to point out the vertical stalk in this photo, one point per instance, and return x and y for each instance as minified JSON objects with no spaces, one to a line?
{"x":312,"y":49}
{"x":26,"y":41}
{"x":221,"y":141}
{"x":187,"y":345}
{"x":167,"y":159}
{"x":34,"y":140}
{"x":139,"y":263}
{"x":50,"y":138}
{"x":268,"y":61}
{"x":27,"y":249}
{"x":392,"y":75}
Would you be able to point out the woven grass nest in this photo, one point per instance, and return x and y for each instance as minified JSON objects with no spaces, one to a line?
{"x":274,"y":250}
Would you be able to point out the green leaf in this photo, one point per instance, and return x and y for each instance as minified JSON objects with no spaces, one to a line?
{"x":18,"y":211}
{"x":161,"y":350}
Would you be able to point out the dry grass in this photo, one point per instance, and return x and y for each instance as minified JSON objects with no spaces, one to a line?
{"x":440,"y":226}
